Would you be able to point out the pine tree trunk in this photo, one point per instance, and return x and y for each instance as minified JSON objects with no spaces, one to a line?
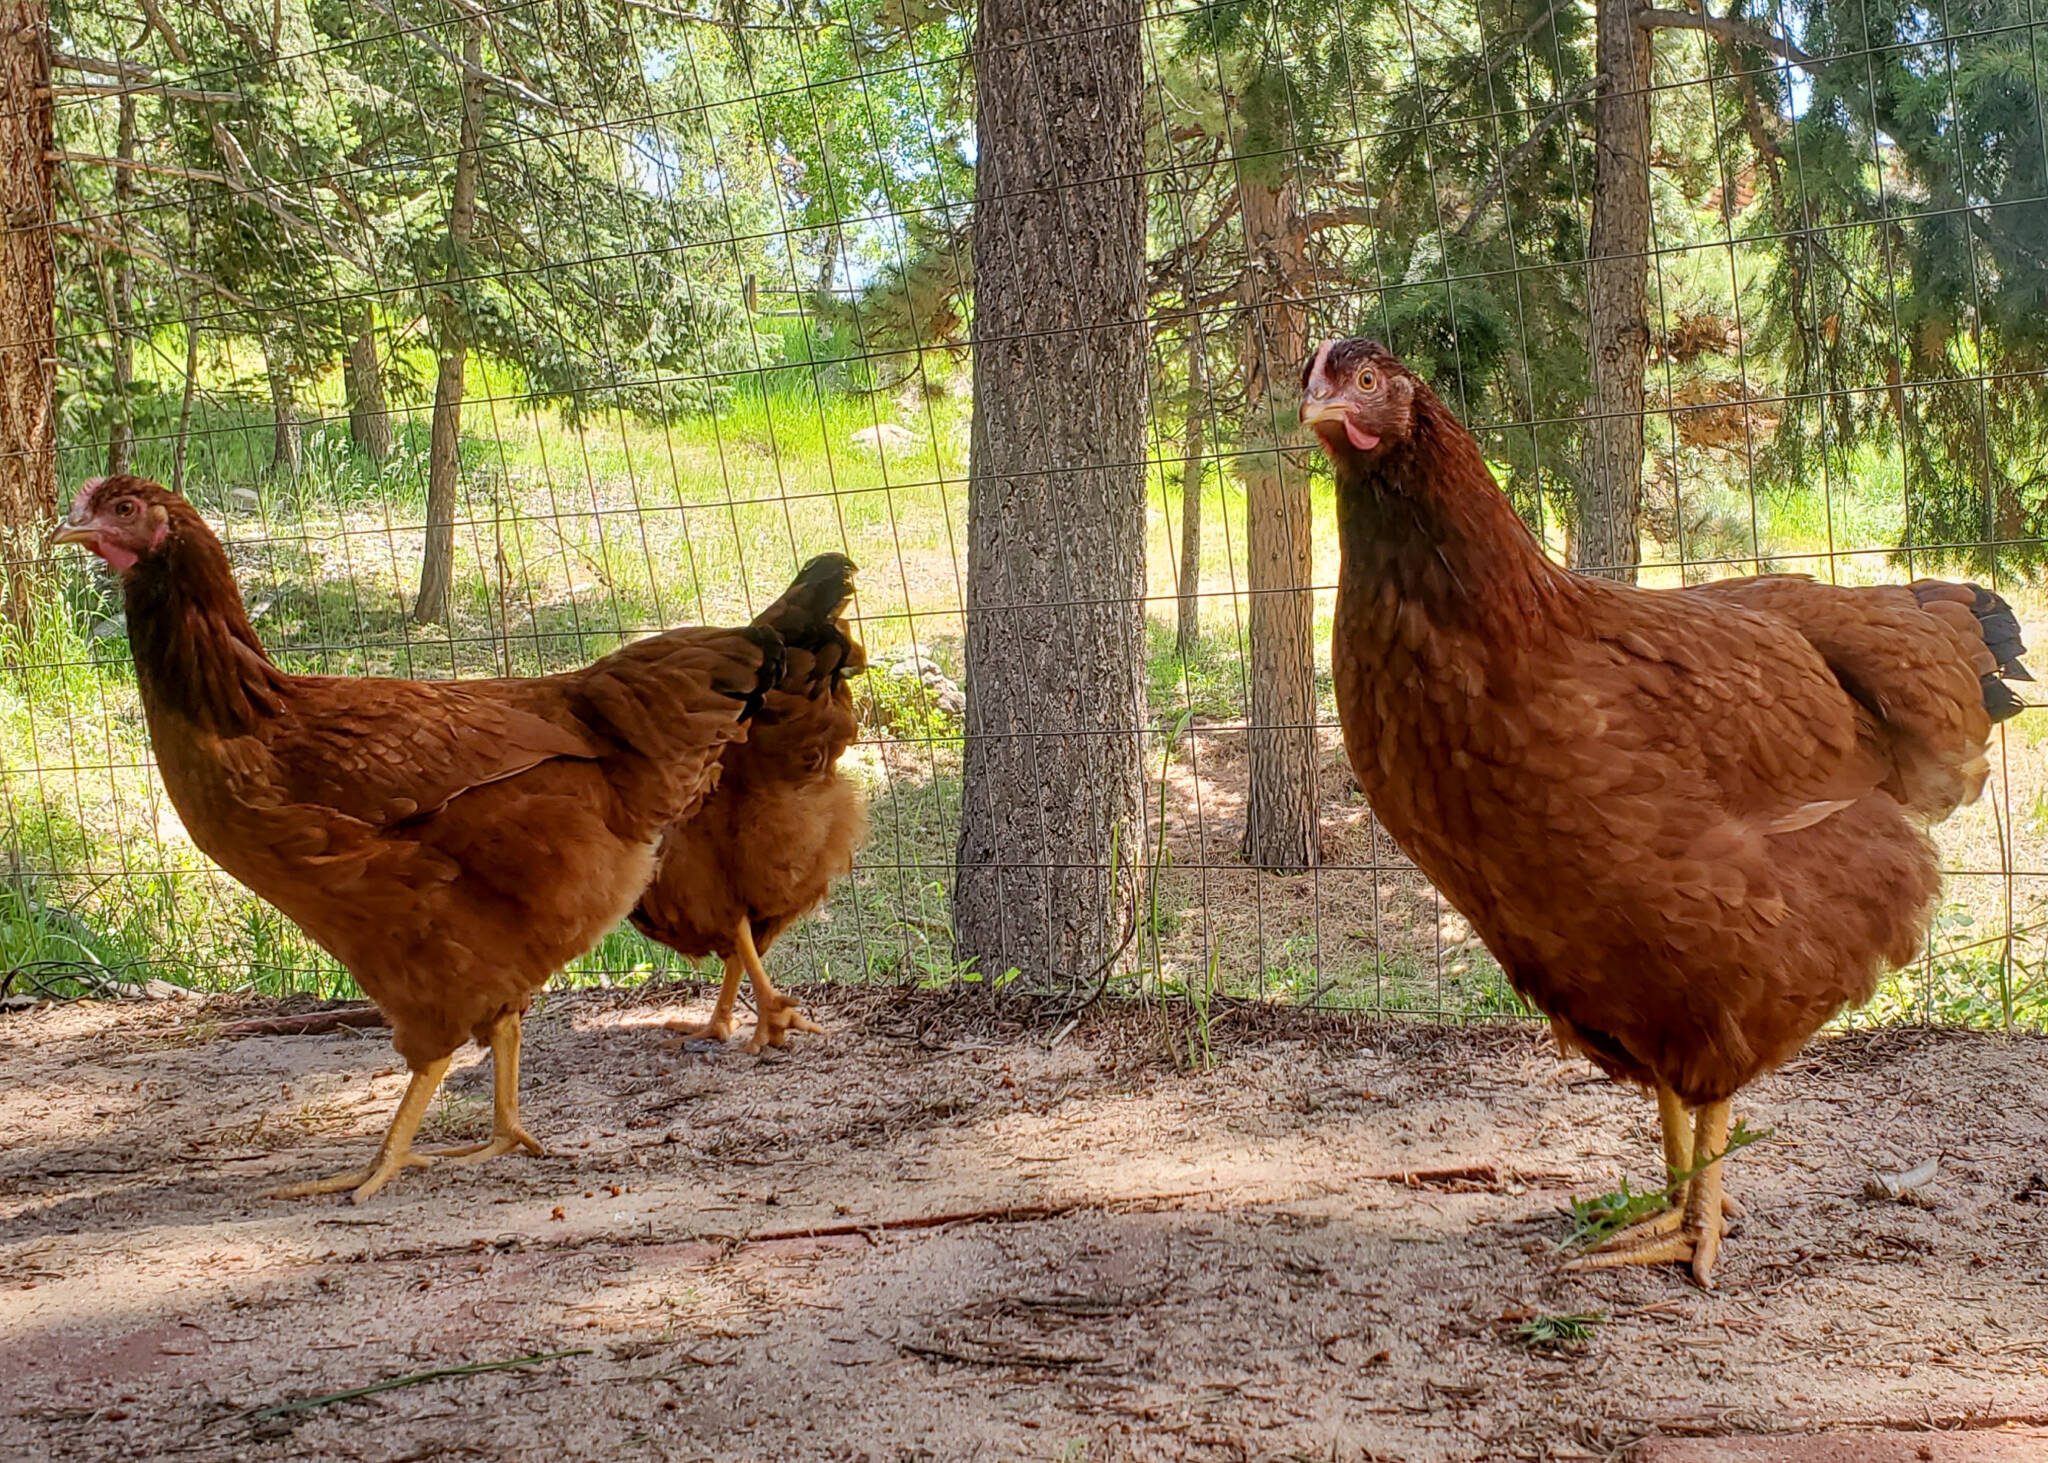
{"x":1280,"y":803}
{"x":444,"y":452}
{"x":1608,"y":539}
{"x":28,"y":348}
{"x":121,"y":421}
{"x":1187,"y":625}
{"x":369,"y":413}
{"x":286,"y":434}
{"x":1052,"y":797}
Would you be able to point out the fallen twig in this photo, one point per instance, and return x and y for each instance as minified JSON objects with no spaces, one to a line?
{"x":415,"y":1379}
{"x":312,"y":1023}
{"x":996,"y":1214}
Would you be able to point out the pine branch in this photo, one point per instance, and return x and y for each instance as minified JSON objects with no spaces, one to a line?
{"x":123,"y":246}
{"x":1512,"y":164}
{"x":193,"y":175}
{"x":1741,"y":32}
{"x":503,"y":84}
{"x":1319,"y":220}
{"x":162,"y":89}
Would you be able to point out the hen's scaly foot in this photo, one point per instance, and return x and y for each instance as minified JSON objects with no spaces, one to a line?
{"x":717,"y":1029}
{"x":395,"y":1154}
{"x":777,"y":1018}
{"x":1695,"y":1236}
{"x":497,"y":1144}
{"x":365,"y":1181}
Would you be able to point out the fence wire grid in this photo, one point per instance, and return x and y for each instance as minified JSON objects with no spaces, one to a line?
{"x":705,"y":268}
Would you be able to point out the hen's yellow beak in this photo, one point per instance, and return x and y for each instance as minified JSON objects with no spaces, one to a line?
{"x":68,"y":532}
{"x":1321,"y":409}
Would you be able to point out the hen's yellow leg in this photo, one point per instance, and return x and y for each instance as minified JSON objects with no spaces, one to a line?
{"x":1678,"y":1161}
{"x":1697,"y":1236}
{"x":506,"y":1134}
{"x":719,"y":1027}
{"x":393,"y":1155}
{"x":775,"y":1015}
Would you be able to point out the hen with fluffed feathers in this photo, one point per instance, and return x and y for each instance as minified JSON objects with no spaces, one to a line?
{"x":452,"y":843}
{"x":783,"y":824}
{"x":1690,"y":823}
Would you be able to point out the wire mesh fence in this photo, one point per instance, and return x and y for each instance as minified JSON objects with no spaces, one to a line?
{"x":492,"y":335}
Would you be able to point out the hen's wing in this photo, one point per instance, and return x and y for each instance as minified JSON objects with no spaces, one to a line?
{"x":385,"y":751}
{"x":1914,"y":663}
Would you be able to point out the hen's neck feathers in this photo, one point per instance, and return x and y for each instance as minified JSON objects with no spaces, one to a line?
{"x":1426,"y":517}
{"x":195,"y":652}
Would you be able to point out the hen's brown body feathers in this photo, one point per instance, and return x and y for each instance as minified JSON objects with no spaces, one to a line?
{"x":1690,"y":824}
{"x":782,"y":824}
{"x":452,"y":843}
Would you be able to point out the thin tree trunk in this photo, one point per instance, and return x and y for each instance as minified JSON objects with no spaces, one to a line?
{"x":444,"y":453}
{"x":121,"y":420}
{"x":1618,"y":249}
{"x":179,"y":448}
{"x":1052,"y":797}
{"x":369,"y":413}
{"x":1280,"y":804}
{"x":28,"y":295}
{"x":1187,"y":624}
{"x":286,"y":434}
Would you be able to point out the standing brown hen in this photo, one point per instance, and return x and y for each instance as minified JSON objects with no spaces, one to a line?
{"x":1689,"y":823}
{"x":783,"y":823}
{"x":452,"y":843}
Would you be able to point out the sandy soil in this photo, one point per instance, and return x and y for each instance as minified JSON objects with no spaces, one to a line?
{"x":739,"y":1255}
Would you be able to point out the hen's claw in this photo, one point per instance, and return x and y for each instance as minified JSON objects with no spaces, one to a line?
{"x":364,"y":1181}
{"x":499,"y":1143}
{"x":718,"y":1029}
{"x":776,"y":1019}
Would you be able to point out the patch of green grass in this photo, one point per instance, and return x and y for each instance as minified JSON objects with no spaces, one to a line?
{"x":1563,"y":1334}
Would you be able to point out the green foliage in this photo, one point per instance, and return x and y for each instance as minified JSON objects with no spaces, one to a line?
{"x":1560,"y":1335}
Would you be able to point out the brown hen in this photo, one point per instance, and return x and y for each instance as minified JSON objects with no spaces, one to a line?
{"x":452,"y":843}
{"x":1689,"y":823}
{"x":783,"y":823}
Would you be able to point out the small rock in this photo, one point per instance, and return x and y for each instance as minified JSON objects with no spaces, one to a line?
{"x":245,"y":498}
{"x":110,"y":627}
{"x":883,"y":437}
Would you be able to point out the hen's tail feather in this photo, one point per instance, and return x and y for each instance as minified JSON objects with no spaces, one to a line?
{"x":2003,"y":637}
{"x":805,"y":613}
{"x":770,"y":674}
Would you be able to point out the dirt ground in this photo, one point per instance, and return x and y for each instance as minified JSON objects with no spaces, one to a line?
{"x":936,"y":1235}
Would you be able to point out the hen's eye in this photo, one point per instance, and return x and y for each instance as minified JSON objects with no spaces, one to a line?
{"x":127,"y":508}
{"x":1367,"y":379}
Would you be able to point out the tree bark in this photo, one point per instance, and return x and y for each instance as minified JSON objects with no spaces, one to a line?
{"x":1053,"y":781}
{"x":444,"y":452}
{"x":1607,"y":539}
{"x":1280,"y":803}
{"x":1187,"y":624}
{"x":369,"y":413}
{"x":28,"y":295}
{"x":286,"y":434}
{"x":120,"y":416}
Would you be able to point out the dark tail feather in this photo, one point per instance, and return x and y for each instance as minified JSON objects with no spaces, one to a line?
{"x":2001,"y":634}
{"x":2000,"y":628}
{"x":770,"y":673}
{"x":805,"y":613}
